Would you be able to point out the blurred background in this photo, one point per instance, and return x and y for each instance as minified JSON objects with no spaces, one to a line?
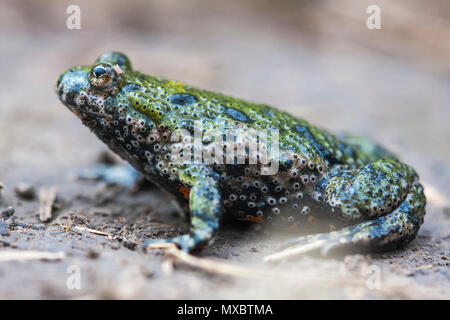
{"x":315,"y":59}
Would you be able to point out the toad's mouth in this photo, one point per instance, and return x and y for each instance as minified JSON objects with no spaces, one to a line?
{"x":69,"y":86}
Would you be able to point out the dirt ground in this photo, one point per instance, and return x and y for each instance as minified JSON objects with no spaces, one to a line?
{"x":315,"y":59}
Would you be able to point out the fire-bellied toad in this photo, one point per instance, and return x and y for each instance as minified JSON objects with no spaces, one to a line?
{"x":151,"y":122}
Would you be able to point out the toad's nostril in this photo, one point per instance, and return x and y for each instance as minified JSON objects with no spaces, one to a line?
{"x":70,"y":84}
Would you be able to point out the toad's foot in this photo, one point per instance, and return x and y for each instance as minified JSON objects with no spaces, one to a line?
{"x":186,"y":242}
{"x":124,"y":175}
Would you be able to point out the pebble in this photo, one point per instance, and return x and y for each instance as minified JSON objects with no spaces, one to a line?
{"x":25,"y":191}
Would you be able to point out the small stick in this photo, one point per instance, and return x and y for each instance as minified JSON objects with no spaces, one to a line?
{"x":101,"y":233}
{"x":26,"y":255}
{"x":27,"y":225}
{"x":426,"y":266}
{"x":47,"y":199}
{"x":68,"y":224}
{"x":293,"y":252}
{"x":164,"y":245}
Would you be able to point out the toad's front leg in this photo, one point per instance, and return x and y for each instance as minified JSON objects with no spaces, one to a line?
{"x":205,"y":204}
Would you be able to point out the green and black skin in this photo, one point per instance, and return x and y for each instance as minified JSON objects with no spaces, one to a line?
{"x":376,"y":201}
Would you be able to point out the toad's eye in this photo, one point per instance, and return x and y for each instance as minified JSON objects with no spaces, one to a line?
{"x":99,"y":71}
{"x":101,"y":75}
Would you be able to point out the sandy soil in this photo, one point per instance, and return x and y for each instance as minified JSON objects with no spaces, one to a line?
{"x":318,"y":62}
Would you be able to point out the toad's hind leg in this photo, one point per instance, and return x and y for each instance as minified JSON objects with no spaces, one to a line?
{"x":385,"y":203}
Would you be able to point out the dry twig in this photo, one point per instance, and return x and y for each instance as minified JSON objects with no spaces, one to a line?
{"x":47,"y":199}
{"x":101,"y":233}
{"x":28,"y":255}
